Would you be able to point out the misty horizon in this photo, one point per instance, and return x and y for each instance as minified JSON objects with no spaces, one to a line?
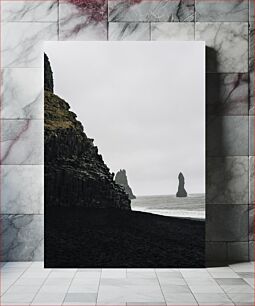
{"x":132,"y":102}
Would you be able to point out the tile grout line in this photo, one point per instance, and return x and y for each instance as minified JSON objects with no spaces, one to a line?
{"x":188,"y":286}
{"x":69,"y":286}
{"x":98,"y":286}
{"x":15,"y":280}
{"x":40,"y":287}
{"x":160,"y":287}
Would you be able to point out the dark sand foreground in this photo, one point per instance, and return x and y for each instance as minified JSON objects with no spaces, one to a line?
{"x":103,"y":238}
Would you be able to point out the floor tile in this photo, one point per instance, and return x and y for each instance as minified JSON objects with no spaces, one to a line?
{"x":230,"y":281}
{"x":81,"y":297}
{"x":180,"y":299}
{"x":242,"y":299}
{"x":213,"y":299}
{"x":243,"y":267}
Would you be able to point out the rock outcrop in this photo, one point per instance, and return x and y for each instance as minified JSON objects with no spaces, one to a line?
{"x":121,"y":179}
{"x":75,"y":173}
{"x":181,"y":193}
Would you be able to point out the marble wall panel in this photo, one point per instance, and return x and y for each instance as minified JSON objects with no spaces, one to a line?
{"x":234,"y":10}
{"x":251,"y":135}
{"x":21,"y":142}
{"x":237,"y":251}
{"x":153,"y":10}
{"x":22,"y":93}
{"x":78,"y":21}
{"x":172,"y":31}
{"x":22,"y":237}
{"x":227,"y":135}
{"x":227,"y":223}
{"x":227,"y":180}
{"x":22,"y":187}
{"x":227,"y":93}
{"x":227,"y":44}
{"x":251,"y":180}
{"x":129,"y":31}
{"x":22,"y":43}
{"x":32,"y":11}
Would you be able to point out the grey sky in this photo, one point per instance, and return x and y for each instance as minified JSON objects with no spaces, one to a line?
{"x":143,"y":103}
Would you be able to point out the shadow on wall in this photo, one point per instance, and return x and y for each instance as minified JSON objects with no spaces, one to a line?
{"x":212,"y":169}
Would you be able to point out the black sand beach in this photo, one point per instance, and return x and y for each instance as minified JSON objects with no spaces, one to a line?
{"x":113,"y":238}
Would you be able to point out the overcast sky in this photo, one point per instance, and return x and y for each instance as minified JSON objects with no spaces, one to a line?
{"x":143,"y":103}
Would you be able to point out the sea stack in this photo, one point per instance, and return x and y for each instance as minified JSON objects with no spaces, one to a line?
{"x":121,"y":179}
{"x":181,"y":193}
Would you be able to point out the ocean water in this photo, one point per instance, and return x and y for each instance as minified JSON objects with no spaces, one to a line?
{"x":192,"y":206}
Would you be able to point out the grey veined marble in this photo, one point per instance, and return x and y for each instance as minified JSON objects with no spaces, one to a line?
{"x":251,"y":172}
{"x":22,"y":189}
{"x":22,"y":237}
{"x":227,"y":180}
{"x":227,"y":45}
{"x":251,"y":68}
{"x":129,"y":31}
{"x":173,"y":31}
{"x":23,"y":10}
{"x":153,"y":10}
{"x":22,"y":93}
{"x":227,"y":94}
{"x":214,"y":10}
{"x":21,"y":142}
{"x":227,"y":223}
{"x":227,"y":135}
{"x":23,"y":41}
{"x":251,"y":135}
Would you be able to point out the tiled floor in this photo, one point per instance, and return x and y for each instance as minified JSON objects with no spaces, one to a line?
{"x":27,"y":283}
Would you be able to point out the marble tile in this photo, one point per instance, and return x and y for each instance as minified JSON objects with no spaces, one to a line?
{"x":251,"y":180}
{"x":213,"y":299}
{"x":227,"y":93}
{"x":22,"y":189}
{"x":242,"y":299}
{"x":251,"y":68}
{"x":227,"y":223}
{"x":227,"y":45}
{"x":22,"y":237}
{"x":81,"y":20}
{"x":22,"y":142}
{"x":23,"y":42}
{"x":251,"y":135}
{"x":227,"y":180}
{"x":243,"y":267}
{"x":227,"y":135}
{"x":23,"y":10}
{"x":234,"y":10}
{"x":22,"y":93}
{"x":251,"y":93}
{"x":129,"y":31}
{"x":215,"y":252}
{"x":251,"y":250}
{"x":154,"y":10}
{"x":172,"y":31}
{"x":251,"y":10}
{"x":180,"y":299}
{"x":238,"y":251}
{"x":251,"y":222}
{"x":81,"y":297}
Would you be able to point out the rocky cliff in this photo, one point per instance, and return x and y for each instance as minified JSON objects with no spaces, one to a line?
{"x":181,"y":193}
{"x":75,"y":173}
{"x":121,"y":179}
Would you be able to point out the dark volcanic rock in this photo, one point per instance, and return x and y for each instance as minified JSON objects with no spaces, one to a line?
{"x":75,"y":173}
{"x":48,"y":75}
{"x":181,"y":193}
{"x":121,"y":179}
